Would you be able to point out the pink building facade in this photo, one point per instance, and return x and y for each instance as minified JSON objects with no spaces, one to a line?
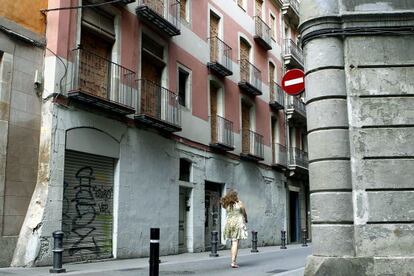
{"x":152,"y":111}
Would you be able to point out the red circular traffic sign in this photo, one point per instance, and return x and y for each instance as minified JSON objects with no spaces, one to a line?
{"x":293,"y":82}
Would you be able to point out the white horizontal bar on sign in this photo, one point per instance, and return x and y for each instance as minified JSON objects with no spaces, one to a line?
{"x":294,"y":81}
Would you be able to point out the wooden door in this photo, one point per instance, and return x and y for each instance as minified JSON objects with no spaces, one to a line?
{"x":94,"y":77}
{"x":245,"y":128}
{"x":150,"y":89}
{"x":214,"y":32}
{"x":244,"y":58}
{"x":182,"y":221}
{"x":213,"y":113}
{"x":212,"y":212}
{"x":258,"y":7}
{"x":271,"y":80}
{"x":156,"y":5}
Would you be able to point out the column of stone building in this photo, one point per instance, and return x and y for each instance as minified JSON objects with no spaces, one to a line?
{"x":360,"y":96}
{"x":329,"y":154}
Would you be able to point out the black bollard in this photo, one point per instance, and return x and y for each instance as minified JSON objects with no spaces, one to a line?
{"x":283,"y":238}
{"x":154,"y":261}
{"x":254,"y":242}
{"x":304,"y":237}
{"x":214,"y":244}
{"x":57,"y":253}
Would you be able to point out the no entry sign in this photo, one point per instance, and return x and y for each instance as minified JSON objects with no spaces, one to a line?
{"x":293,"y":82}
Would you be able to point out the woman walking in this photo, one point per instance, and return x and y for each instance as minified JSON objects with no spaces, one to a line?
{"x":235,"y":228}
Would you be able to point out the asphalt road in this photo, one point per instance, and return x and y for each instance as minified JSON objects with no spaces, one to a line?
{"x":268,"y":262}
{"x":287,"y":262}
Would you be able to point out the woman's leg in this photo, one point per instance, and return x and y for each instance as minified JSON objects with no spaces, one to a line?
{"x":234,"y":249}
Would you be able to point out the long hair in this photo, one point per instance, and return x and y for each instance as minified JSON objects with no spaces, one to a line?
{"x":229,"y":199}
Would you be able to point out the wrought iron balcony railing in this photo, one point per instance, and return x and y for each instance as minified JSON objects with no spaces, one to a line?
{"x":298,"y":157}
{"x":250,"y":78}
{"x":163,"y":14}
{"x":279,"y":155}
{"x":297,"y":105}
{"x":220,"y":57}
{"x":277,"y":96}
{"x":222,"y":133}
{"x":252,"y":145}
{"x":263,"y":33}
{"x":100,"y":82}
{"x":292,"y":50}
{"x":159,"y":106}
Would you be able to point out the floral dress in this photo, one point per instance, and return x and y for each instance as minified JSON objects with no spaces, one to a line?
{"x":235,"y":228}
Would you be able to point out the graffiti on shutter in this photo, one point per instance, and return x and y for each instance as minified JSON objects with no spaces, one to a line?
{"x":87,"y":211}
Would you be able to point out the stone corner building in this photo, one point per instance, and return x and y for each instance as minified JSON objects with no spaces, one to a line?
{"x":359,"y":61}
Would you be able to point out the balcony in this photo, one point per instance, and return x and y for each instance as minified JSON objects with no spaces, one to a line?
{"x":279,"y":156}
{"x":292,"y":54}
{"x":298,"y":159}
{"x":262,"y":35}
{"x":100,"y":83}
{"x":277,"y":96}
{"x":250,"y":78}
{"x":159,"y":107}
{"x":290,"y":10}
{"x":220,"y":57}
{"x":222,"y":137}
{"x":162,"y":15}
{"x":252,"y":146}
{"x":296,"y":111}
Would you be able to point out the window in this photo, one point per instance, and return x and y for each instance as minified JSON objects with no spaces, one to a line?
{"x":185,"y":170}
{"x":185,"y":10}
{"x":183,"y":87}
{"x":273,"y":26}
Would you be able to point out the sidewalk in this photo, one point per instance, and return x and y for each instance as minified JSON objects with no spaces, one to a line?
{"x":119,"y":265}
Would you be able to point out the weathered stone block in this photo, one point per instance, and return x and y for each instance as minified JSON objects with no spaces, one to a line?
{"x":399,"y":266}
{"x":381,"y":111}
{"x":384,"y":174}
{"x":375,"y":5}
{"x":334,"y":114}
{"x":379,"y":50}
{"x":384,"y":141}
{"x":328,"y":144}
{"x":328,"y":266}
{"x":331,"y":207}
{"x":380,"y":81}
{"x":391,"y":206}
{"x":326,"y":175}
{"x":323,"y":52}
{"x":333,"y":240}
{"x":311,"y":9}
{"x":325,"y":83}
{"x":384,"y":240}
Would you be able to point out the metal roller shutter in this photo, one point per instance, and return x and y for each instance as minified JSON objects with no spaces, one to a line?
{"x":87,"y":212}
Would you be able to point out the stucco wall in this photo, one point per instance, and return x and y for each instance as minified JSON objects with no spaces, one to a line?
{"x":26,"y":13}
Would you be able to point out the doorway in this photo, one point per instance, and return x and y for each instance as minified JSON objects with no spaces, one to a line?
{"x":184,"y":220}
{"x":294,"y":216}
{"x":213,"y":193}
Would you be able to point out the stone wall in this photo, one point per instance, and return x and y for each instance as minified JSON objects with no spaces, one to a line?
{"x":360,"y":122}
{"x":19,"y":136}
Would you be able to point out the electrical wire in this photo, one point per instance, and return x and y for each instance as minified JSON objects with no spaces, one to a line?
{"x":80,"y":7}
{"x":64,"y":75}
